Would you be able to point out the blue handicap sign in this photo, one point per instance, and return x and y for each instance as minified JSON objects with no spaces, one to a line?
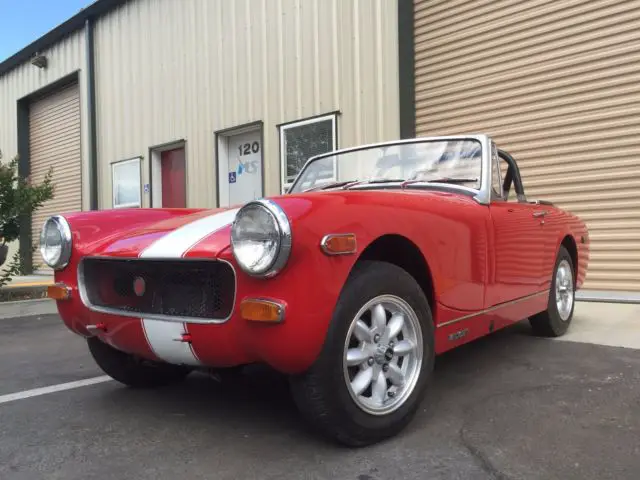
{"x":232,"y":177}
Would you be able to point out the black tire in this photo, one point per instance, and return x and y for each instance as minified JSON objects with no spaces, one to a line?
{"x":549,"y":323}
{"x":134,"y":371}
{"x":322,"y":394}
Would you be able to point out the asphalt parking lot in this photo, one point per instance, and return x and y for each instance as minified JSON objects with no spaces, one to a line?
{"x":508,"y":406}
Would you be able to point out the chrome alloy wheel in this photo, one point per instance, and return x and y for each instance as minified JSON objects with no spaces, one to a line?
{"x":564,"y":290}
{"x":383,"y":355}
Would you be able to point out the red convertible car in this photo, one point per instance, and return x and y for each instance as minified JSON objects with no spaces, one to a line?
{"x":376,"y":260}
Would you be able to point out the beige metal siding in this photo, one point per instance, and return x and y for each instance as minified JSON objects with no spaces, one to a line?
{"x":55,"y":144}
{"x":556,"y":83}
{"x":168,"y":70}
{"x":64,"y":58}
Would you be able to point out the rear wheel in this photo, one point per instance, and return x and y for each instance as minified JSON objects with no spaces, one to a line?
{"x":134,"y":371}
{"x":555,"y":320}
{"x":378,"y":357}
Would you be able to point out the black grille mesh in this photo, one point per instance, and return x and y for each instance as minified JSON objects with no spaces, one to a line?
{"x":177,"y":288}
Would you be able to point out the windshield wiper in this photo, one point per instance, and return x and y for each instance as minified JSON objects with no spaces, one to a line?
{"x":404,"y":182}
{"x":351,"y":183}
{"x":376,"y":181}
{"x":385,"y":180}
{"x":333,"y":185}
{"x":443,"y":180}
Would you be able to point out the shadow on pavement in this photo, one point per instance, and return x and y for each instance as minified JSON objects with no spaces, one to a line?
{"x":507,"y":406}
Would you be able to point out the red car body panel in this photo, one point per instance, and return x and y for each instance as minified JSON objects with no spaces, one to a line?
{"x":490,"y":267}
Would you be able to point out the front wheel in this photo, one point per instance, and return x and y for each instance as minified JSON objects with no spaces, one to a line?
{"x":131,"y":370}
{"x":372,"y":373}
{"x":555,"y":320}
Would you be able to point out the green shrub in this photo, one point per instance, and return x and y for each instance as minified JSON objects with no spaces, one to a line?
{"x":19,"y":198}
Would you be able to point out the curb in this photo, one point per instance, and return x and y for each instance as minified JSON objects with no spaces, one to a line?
{"x":18,"y":292}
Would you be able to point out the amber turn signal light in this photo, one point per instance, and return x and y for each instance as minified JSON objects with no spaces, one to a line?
{"x":339,"y":244}
{"x":258,"y":310}
{"x":58,"y":292}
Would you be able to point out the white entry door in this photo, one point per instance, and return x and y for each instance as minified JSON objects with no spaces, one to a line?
{"x":244,"y":167}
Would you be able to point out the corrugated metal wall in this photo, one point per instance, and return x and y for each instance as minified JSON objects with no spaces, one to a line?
{"x":557,"y":83}
{"x":54,"y":142}
{"x":168,"y":70}
{"x":64,"y":58}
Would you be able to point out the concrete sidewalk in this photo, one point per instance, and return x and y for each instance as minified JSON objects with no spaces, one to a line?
{"x":612,"y":324}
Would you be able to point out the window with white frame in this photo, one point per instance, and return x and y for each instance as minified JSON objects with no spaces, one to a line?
{"x":125,"y":177}
{"x":302,"y":140}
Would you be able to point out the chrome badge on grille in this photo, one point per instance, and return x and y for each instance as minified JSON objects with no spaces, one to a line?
{"x":139,"y":286}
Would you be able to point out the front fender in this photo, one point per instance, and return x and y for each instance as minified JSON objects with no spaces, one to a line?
{"x":449,"y":230}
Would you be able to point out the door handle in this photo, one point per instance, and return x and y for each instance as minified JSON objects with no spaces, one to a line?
{"x":541,"y":213}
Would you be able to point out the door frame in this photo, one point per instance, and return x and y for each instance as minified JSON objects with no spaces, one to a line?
{"x":155,"y":157}
{"x":221,"y":141}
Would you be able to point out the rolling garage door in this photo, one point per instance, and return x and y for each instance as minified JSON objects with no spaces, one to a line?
{"x":54,"y":141}
{"x":556,"y":83}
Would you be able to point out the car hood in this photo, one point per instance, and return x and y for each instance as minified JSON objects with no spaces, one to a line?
{"x":172,"y":237}
{"x":207,"y":232}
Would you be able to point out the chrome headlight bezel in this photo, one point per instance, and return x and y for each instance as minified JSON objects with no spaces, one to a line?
{"x":282,"y":230}
{"x":61,"y":224}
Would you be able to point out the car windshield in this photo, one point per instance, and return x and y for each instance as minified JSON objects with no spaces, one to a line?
{"x":456,"y":161}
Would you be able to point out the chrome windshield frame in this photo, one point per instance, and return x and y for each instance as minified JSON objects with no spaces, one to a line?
{"x":482,"y":195}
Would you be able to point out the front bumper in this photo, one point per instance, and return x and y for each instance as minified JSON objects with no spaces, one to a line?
{"x":281,"y":321}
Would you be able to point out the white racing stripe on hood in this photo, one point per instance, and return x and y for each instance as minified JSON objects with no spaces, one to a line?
{"x":163,"y":337}
{"x":176,"y":243}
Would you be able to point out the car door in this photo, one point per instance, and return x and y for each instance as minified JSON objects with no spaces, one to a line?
{"x":518,"y":251}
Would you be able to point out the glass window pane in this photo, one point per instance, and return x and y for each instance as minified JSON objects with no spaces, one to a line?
{"x":126,"y":184}
{"x":303,"y":142}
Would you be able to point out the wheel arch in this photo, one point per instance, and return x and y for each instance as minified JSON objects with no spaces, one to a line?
{"x":404,"y":253}
{"x":570,"y":244}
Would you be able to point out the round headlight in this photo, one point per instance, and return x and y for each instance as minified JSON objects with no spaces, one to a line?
{"x":55,"y":242}
{"x":261,"y":238}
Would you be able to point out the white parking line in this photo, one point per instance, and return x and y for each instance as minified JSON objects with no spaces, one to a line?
{"x":36,"y":392}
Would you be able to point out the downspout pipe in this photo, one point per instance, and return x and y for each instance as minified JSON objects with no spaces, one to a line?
{"x":406,"y":69}
{"x":91,"y":105}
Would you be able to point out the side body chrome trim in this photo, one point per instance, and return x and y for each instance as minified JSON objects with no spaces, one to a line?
{"x":491,"y":309}
{"x":122,"y":313}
